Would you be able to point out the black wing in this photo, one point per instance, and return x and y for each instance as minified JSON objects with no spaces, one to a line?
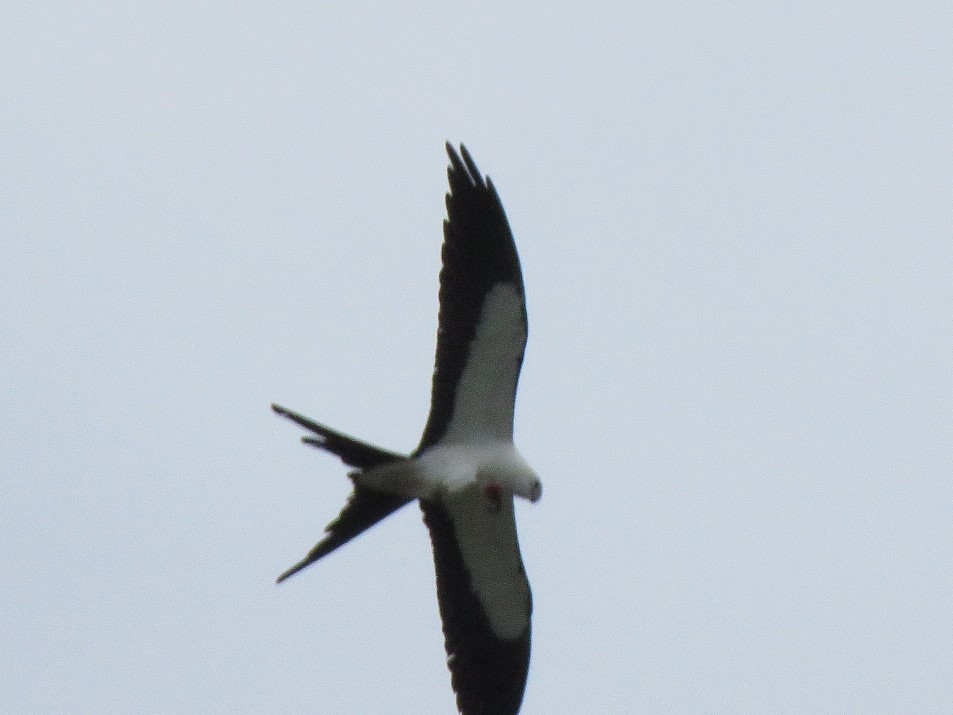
{"x":365,"y":507}
{"x":488,"y":655}
{"x":484,"y":596}
{"x":478,"y":255}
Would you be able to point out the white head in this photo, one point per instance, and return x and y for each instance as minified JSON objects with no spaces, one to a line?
{"x":508,"y":471}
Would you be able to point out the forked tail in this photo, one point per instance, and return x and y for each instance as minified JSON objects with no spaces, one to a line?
{"x":365,"y":507}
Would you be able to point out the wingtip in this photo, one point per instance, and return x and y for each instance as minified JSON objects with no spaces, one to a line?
{"x":462,"y":162}
{"x":456,"y":163}
{"x":452,"y":149}
{"x":279,"y":409}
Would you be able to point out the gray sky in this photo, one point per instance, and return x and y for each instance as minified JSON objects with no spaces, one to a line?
{"x":734,"y":220}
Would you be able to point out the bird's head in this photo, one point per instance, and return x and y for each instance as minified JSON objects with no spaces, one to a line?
{"x":509,"y":472}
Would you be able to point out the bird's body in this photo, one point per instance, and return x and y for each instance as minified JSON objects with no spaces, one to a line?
{"x":466,"y":469}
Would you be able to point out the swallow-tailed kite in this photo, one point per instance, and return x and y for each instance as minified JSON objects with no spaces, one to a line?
{"x":465,"y":471}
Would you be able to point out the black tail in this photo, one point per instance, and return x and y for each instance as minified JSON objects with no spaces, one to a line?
{"x":365,"y":507}
{"x":352,"y":452}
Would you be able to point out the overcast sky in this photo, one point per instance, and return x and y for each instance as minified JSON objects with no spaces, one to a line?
{"x":735,"y":226}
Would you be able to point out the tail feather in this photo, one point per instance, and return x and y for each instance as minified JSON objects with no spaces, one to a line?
{"x":353,"y":452}
{"x":365,"y":507}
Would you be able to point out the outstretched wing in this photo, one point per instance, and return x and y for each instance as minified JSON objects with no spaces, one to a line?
{"x":365,"y":507}
{"x":485,"y":600}
{"x":482,"y":325}
{"x":484,"y":596}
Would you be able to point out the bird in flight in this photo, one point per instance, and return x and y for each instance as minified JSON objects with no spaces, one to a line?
{"x":466,"y":471}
